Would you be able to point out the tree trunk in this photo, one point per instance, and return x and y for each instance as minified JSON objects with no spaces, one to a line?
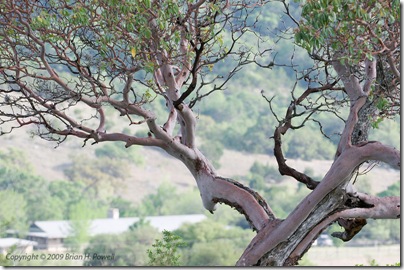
{"x":283,"y":254}
{"x":284,"y":243}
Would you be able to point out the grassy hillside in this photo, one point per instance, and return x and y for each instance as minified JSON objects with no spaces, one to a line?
{"x":159,"y":167}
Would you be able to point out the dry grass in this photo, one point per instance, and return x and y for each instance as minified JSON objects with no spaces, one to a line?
{"x":351,"y":256}
{"x":142,"y":180}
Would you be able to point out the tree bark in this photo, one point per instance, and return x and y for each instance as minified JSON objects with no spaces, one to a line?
{"x":285,"y":243}
{"x":215,"y":189}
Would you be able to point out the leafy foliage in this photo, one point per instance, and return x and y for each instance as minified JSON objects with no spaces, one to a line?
{"x":387,"y":132}
{"x":116,"y":151}
{"x":392,"y":190}
{"x":347,"y":24}
{"x":168,"y":201}
{"x":165,"y":250}
{"x":39,"y":199}
{"x":126,"y":209}
{"x":80,"y":216}
{"x":261,"y":176}
{"x":213,"y":150}
{"x":307,"y":147}
{"x":129,"y":248}
{"x":23,"y":181}
{"x":201,"y":237}
{"x":13,"y":213}
{"x":3,"y":260}
{"x":101,"y":176}
{"x":106,"y":40}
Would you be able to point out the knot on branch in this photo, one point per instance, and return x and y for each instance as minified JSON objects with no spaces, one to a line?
{"x":178,"y":106}
{"x":352,"y":226}
{"x":355,"y":202}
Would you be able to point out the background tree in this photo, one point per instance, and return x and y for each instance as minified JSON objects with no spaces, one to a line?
{"x":35,"y":198}
{"x":164,"y":251}
{"x":228,"y":243}
{"x":116,"y":59}
{"x":17,"y":178}
{"x":80,"y":216}
{"x":129,"y":248}
{"x":13,"y":213}
{"x":102,"y":176}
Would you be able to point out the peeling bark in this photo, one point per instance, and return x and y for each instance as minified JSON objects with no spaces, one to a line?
{"x":215,"y":189}
{"x":287,"y":242}
{"x":352,"y":226}
{"x":278,"y":242}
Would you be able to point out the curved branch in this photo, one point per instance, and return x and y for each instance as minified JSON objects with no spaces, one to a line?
{"x":351,"y":82}
{"x":346,"y":137}
{"x":339,"y":173}
{"x":285,"y":125}
{"x":169,"y":125}
{"x":377,"y":151}
{"x":382,"y":208}
{"x":184,"y":73}
{"x":194,"y":72}
{"x":370,"y":74}
{"x":171,"y":145}
{"x":284,"y":169}
{"x":101,"y":126}
{"x":215,"y":189}
{"x":189,"y":125}
{"x":131,"y":140}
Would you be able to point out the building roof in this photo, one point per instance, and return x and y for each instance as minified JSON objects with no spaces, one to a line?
{"x":62,"y":228}
{"x":9,"y":242}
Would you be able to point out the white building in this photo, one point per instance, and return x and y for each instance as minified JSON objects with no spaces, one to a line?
{"x":50,"y":235}
{"x":21,"y":245}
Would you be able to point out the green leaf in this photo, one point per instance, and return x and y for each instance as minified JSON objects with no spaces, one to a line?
{"x":382,"y":104}
{"x":149,"y":67}
{"x":145,"y":32}
{"x":147,"y":3}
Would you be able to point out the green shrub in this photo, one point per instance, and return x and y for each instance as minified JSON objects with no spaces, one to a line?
{"x":165,"y":250}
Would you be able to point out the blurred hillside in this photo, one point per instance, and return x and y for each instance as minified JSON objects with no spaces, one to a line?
{"x":155,"y":167}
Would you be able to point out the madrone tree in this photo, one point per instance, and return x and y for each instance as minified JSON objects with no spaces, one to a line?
{"x":108,"y":55}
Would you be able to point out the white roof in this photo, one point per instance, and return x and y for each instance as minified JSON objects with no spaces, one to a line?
{"x":9,"y":242}
{"x":62,"y":228}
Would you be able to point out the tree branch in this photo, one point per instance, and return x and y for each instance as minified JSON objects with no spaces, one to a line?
{"x":353,"y":219}
{"x":351,"y":82}
{"x":194,"y":73}
{"x":377,"y":151}
{"x":339,"y":173}
{"x":234,"y":194}
{"x":370,"y":75}
{"x":346,"y":136}
{"x":284,"y":169}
